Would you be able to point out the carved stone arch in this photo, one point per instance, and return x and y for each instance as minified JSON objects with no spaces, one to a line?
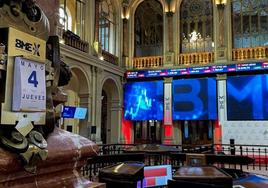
{"x":78,"y":95}
{"x":149,"y":39}
{"x":111,"y":110}
{"x":83,"y":80}
{"x":110,"y":79}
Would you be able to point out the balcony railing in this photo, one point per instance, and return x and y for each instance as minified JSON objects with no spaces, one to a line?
{"x":147,"y":62}
{"x":75,"y":41}
{"x":196,"y":58}
{"x":110,"y":57}
{"x":240,"y":54}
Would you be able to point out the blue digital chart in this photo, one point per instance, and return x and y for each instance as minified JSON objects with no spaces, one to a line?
{"x":143,"y":100}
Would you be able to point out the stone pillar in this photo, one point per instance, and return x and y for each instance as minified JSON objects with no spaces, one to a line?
{"x":84,"y":129}
{"x":222,"y":108}
{"x":169,"y":55}
{"x":98,"y":105}
{"x":220,"y":32}
{"x":167,"y":119}
{"x":93,"y":111}
{"x":115,"y":124}
{"x":125,"y":39}
{"x":169,"y":51}
{"x":170,"y":30}
{"x":97,"y":20}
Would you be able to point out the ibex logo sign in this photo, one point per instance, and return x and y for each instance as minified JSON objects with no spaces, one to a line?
{"x":26,"y":45}
{"x":33,"y":48}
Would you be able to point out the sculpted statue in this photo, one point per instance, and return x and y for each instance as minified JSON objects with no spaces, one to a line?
{"x":26,"y":16}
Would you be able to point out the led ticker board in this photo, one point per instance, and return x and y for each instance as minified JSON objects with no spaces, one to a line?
{"x":213,"y":69}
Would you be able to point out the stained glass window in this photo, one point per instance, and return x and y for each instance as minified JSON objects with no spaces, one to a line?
{"x":196,"y":26}
{"x":250,"y":23}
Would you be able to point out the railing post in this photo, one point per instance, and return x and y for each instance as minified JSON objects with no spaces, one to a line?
{"x":259,"y":150}
{"x":232,"y":146}
{"x":265,"y":154}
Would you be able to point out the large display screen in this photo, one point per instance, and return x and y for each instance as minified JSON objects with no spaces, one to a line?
{"x":247,"y":97}
{"x":194,"y":99}
{"x":143,"y":100}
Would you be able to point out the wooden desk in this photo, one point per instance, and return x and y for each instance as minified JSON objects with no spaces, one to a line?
{"x":252,"y":181}
{"x":125,"y":174}
{"x":206,"y":175}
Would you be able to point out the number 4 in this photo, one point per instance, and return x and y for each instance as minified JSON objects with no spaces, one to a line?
{"x":32,"y":79}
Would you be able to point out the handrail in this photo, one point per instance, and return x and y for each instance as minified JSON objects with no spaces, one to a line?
{"x":110,"y":57}
{"x":147,"y":62}
{"x":198,"y":58}
{"x":260,"y":52}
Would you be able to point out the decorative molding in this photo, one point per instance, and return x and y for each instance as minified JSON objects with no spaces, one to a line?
{"x":168,"y":80}
{"x":90,"y":60}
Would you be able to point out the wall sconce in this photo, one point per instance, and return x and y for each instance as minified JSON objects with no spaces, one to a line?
{"x":125,"y":14}
{"x":169,"y":11}
{"x":221,"y":3}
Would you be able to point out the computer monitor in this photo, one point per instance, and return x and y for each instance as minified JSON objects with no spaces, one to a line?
{"x":68,"y":112}
{"x":156,"y":176}
{"x":80,"y":113}
{"x":73,"y":112}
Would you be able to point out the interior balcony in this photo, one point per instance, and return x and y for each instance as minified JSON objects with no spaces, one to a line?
{"x":244,"y":54}
{"x":201,"y":58}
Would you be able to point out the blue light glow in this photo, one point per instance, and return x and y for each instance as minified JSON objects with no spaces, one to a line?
{"x":143,"y":100}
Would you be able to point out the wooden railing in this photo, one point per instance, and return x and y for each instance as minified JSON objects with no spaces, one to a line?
{"x":239,"y":54}
{"x":75,"y":41}
{"x":147,"y":62}
{"x":110,"y":57}
{"x":196,"y":58}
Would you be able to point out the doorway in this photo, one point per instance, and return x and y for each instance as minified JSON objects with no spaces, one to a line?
{"x":104,"y":113}
{"x":147,"y":132}
{"x":197,"y":132}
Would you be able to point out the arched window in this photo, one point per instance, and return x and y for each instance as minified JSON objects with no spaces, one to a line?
{"x":107,"y":25}
{"x":65,"y":19}
{"x":196,"y":26}
{"x":149,"y":29}
{"x":250,"y":23}
{"x":72,"y":16}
